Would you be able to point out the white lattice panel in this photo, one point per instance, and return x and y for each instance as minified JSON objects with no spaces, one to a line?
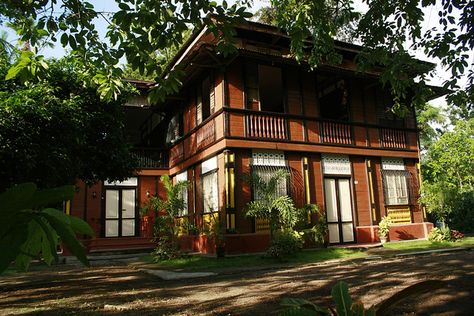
{"x":336,"y":164}
{"x":393,"y":164}
{"x":268,"y":158}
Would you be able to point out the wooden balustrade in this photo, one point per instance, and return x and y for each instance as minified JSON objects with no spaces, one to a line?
{"x":336,"y":133}
{"x":176,"y":153}
{"x":150,"y":158}
{"x":266,"y":126}
{"x":206,"y":134}
{"x":392,"y":138}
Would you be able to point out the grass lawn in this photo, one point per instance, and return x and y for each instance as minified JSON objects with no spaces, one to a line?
{"x":419,"y":245}
{"x":203,"y":262}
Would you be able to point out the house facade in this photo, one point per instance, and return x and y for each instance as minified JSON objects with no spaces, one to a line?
{"x":260,"y":111}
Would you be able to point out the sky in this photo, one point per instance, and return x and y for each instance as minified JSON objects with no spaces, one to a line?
{"x":111,"y":6}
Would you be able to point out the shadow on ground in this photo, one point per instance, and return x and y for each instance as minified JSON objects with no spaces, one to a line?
{"x":121,"y":290}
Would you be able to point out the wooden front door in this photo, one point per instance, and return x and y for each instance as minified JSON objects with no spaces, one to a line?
{"x":338,"y":199}
{"x":120,"y":212}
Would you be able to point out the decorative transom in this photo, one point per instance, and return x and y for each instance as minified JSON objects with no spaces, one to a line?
{"x":336,"y":164}
{"x":393,"y":164}
{"x":127,"y":182}
{"x":268,"y":158}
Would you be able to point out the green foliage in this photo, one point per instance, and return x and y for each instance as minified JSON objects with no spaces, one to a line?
{"x":284,"y":244}
{"x":55,"y":131}
{"x":439,"y":234}
{"x":136,"y":32}
{"x":279,"y":210}
{"x":445,"y":234}
{"x":448,"y":173}
{"x":384,"y":226}
{"x":344,"y":305}
{"x":431,"y":122}
{"x":319,"y":231}
{"x":31,"y":228}
{"x":165,"y":226}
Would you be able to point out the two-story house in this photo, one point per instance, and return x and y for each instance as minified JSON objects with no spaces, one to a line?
{"x":260,"y":111}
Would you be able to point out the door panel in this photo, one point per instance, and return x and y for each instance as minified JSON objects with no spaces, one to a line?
{"x":111,"y":204}
{"x":337,"y":192}
{"x":120,"y":206}
{"x":333,"y":233}
{"x":345,"y":200}
{"x":331,"y":200}
{"x":128,"y":203}
{"x":348,"y":232}
{"x":128,"y":227}
{"x":111,"y":228}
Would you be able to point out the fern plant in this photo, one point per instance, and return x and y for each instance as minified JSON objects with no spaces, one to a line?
{"x":166,"y":210}
{"x":280,"y":211}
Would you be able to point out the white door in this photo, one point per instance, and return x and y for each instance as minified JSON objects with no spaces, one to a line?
{"x":337,"y":194}
{"x":120,"y":219}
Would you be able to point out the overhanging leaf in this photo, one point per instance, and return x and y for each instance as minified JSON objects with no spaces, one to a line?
{"x":68,"y":237}
{"x":340,"y":294}
{"x":16,"y":198}
{"x":80,"y":227}
{"x":49,"y":197}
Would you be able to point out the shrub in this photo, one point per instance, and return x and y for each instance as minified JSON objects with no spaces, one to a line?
{"x":285,"y":243}
{"x":384,"y":226}
{"x":166,"y":249}
{"x":439,"y":234}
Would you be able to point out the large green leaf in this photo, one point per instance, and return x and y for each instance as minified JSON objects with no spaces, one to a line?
{"x":297,"y":311}
{"x":49,"y":241}
{"x":340,"y":294}
{"x":31,"y":247}
{"x":16,"y":198}
{"x":80,"y":227}
{"x":60,"y":216}
{"x":10,"y":245}
{"x":299,"y":306}
{"x":67,"y":235}
{"x":50,"y":197}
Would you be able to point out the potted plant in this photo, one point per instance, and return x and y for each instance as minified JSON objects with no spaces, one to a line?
{"x":384,"y":228}
{"x":216,"y":231}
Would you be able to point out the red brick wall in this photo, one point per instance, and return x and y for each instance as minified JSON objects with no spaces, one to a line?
{"x":235,"y":85}
{"x":361,"y":193}
{"x":243,"y":192}
{"x":293,"y":90}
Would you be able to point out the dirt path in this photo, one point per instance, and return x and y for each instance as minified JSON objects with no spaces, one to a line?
{"x":122,"y":290}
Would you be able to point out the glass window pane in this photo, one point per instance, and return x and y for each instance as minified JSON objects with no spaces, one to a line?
{"x":111,"y":228}
{"x":128,"y":227}
{"x":111,"y":203}
{"x":330,"y":199}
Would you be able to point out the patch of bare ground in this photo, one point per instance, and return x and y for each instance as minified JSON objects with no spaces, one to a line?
{"x":122,"y":290}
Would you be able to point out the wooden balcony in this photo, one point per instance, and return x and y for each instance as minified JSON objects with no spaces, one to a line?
{"x":392,"y":138}
{"x":150,"y":158}
{"x":267,"y":126}
{"x":243,"y":124}
{"x":336,"y":133}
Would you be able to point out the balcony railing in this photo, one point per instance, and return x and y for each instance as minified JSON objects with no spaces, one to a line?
{"x":206,"y":134}
{"x":150,"y":158}
{"x":392,"y":138}
{"x":336,"y":133}
{"x":266,"y":126}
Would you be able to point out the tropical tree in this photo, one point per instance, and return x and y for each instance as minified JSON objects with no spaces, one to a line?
{"x":448,"y":172}
{"x":54,"y":131}
{"x":431,"y":122}
{"x":389,"y":31}
{"x":166,"y":210}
